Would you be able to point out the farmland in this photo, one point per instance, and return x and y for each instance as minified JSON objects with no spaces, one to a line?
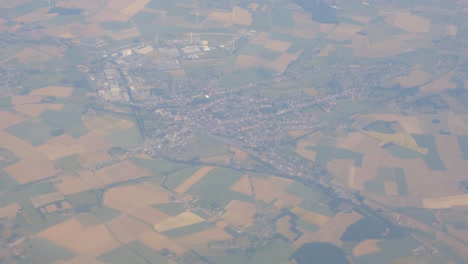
{"x":174,"y":131}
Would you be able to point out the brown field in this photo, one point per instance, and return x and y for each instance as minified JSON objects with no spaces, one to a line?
{"x":72,"y":184}
{"x":451,"y":155}
{"x":351,"y":142}
{"x":181,"y":220}
{"x":91,"y":147}
{"x":326,"y":28}
{"x":29,"y":55}
{"x":244,"y":61}
{"x":10,"y":4}
{"x":76,"y":29}
{"x":360,"y":41}
{"x":240,"y":213}
{"x":311,"y":217}
{"x":411,"y":23}
{"x":33,"y":164}
{"x":297,"y":133}
{"x":363,"y":19}
{"x":410,"y":124}
{"x":343,"y":32}
{"x":459,"y":246}
{"x":89,"y":6}
{"x":460,"y":234}
{"x":366,"y":247}
{"x":273,"y":188}
{"x":283,"y":226}
{"x":117,"y":5}
{"x":277,"y":45}
{"x":159,"y":242}
{"x":148,"y":214}
{"x":36,"y":109}
{"x":302,"y":17}
{"x":301,"y":149}
{"x":37,"y":15}
{"x":238,"y":154}
{"x":142,"y":195}
{"x":253,"y":6}
{"x":124,"y":34}
{"x":361,"y":176}
{"x":79,"y":260}
{"x":391,"y":188}
{"x":105,"y":125}
{"x":133,"y":8}
{"x":439,"y":85}
{"x":202,"y":238}
{"x":243,"y":186}
{"x":109,"y":15}
{"x":415,"y":78}
{"x":445,"y":202}
{"x":178,"y":74}
{"x":301,"y":30}
{"x":126,"y":229}
{"x":453,"y":103}
{"x":340,"y":168}
{"x":9,"y":211}
{"x":57,"y":91}
{"x":260,"y":39}
{"x":242,"y":16}
{"x":197,"y":176}
{"x":9,"y":119}
{"x":25,"y":99}
{"x":326,"y":50}
{"x":44,"y":199}
{"x":122,"y":171}
{"x":458,"y":124}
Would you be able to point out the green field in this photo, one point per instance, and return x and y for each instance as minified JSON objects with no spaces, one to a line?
{"x":246,"y":76}
{"x":68,"y":119}
{"x":261,"y":22}
{"x":179,"y":11}
{"x":134,"y":252}
{"x":116,"y":25}
{"x":188,"y":230}
{"x":204,"y":146}
{"x":463,"y":142}
{"x":162,"y":4}
{"x":308,"y":194}
{"x":83,"y":201}
{"x":269,"y":54}
{"x":157,"y":166}
{"x":215,"y":187}
{"x":175,"y":179}
{"x":400,"y":179}
{"x":404,"y":153}
{"x":432,"y":158}
{"x":43,"y":252}
{"x":36,"y":132}
{"x":125,"y":138}
{"x":328,"y":153}
{"x":70,"y":163}
{"x":282,"y":17}
{"x":250,"y":50}
{"x":6,"y":181}
{"x":171,"y":209}
{"x":423,"y":215}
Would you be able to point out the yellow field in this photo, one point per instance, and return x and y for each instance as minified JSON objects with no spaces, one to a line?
{"x":181,"y":220}
{"x":44,"y":199}
{"x":9,"y":211}
{"x":411,"y":23}
{"x":124,"y":34}
{"x":197,"y":176}
{"x":240,"y":213}
{"x":105,"y":125}
{"x":311,"y":217}
{"x":366,"y":247}
{"x":242,"y":186}
{"x":402,"y":139}
{"x":415,"y":78}
{"x":445,"y":202}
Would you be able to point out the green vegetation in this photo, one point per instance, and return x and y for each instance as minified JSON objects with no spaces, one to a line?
{"x":68,"y":119}
{"x":402,"y":152}
{"x":188,"y":230}
{"x":24,"y":193}
{"x":175,"y":179}
{"x":400,"y":179}
{"x":268,"y":54}
{"x":432,"y":158}
{"x":156,"y":166}
{"x":43,"y":252}
{"x":70,"y":163}
{"x":282,"y":17}
{"x":370,"y":228}
{"x":423,"y":215}
{"x":125,"y":138}
{"x":104,"y":214}
{"x":6,"y":181}
{"x":204,"y":146}
{"x":246,"y":76}
{"x":82,"y":202}
{"x":317,"y":207}
{"x":321,"y":12}
{"x":179,"y":11}
{"x":115,"y":25}
{"x":215,"y":187}
{"x":375,"y":186}
{"x":36,"y":132}
{"x":261,"y":22}
{"x":308,"y":194}
{"x":171,"y":209}
{"x":250,"y":50}
{"x":380,"y":126}
{"x":134,"y":252}
{"x":277,"y":251}
{"x":162,"y":4}
{"x":328,"y":153}
{"x":463,"y":142}
{"x":319,"y":253}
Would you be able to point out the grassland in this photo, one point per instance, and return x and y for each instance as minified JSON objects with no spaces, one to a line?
{"x":432,"y":158}
{"x":134,"y":252}
{"x":328,"y":153}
